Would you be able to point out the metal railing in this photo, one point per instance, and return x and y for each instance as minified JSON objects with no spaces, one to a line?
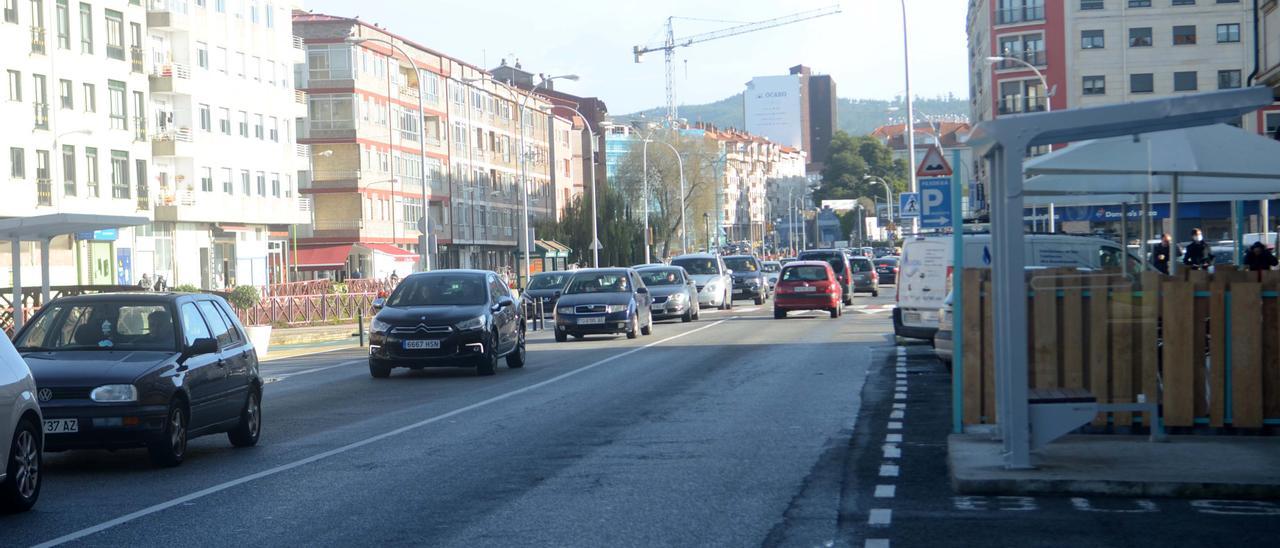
{"x":44,"y":191}
{"x":300,"y":97}
{"x":302,"y":150}
{"x":135,"y":59}
{"x":41,"y":115}
{"x":343,"y":224}
{"x":335,"y":174}
{"x":1017,"y":104}
{"x":180,"y":134}
{"x":305,"y":204}
{"x":139,"y":129}
{"x":298,"y":44}
{"x":172,"y":70}
{"x":144,"y":197}
{"x":1020,"y":14}
{"x":37,"y":40}
{"x":1038,"y":58}
{"x":69,"y":188}
{"x":167,"y":5}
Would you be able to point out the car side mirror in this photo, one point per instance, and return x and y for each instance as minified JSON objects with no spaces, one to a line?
{"x":728,"y":271}
{"x":642,"y":290}
{"x":378,"y":303}
{"x":201,"y":346}
{"x":556,"y":295}
{"x":504,"y":302}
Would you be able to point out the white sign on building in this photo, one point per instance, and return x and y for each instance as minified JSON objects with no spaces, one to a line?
{"x":772,"y":105}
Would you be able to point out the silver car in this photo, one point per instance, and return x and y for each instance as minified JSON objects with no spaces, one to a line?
{"x":21,"y":433}
{"x":713,"y":279}
{"x":674,"y":293}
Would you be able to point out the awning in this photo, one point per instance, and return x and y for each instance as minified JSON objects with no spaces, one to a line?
{"x":327,"y":257}
{"x":43,"y":227}
{"x":552,"y":248}
{"x":388,"y":249}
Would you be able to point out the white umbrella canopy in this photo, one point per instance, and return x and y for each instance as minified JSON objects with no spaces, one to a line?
{"x":1032,"y":199}
{"x":1212,"y":152}
{"x":1221,"y":188}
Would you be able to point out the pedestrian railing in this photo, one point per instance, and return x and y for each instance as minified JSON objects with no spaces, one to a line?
{"x":1205,"y":347}
{"x":301,"y":310}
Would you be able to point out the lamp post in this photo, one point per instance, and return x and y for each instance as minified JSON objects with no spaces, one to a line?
{"x":1048,"y":105}
{"x":684,"y":238}
{"x":888,"y":194}
{"x":911,"y":137}
{"x":595,"y":236}
{"x":425,"y":252}
{"x":706,"y":221}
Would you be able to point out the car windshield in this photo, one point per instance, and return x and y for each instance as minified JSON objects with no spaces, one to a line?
{"x":771,"y":267}
{"x":741,"y":264}
{"x":805,"y":273}
{"x":101,"y":326}
{"x":548,"y":281}
{"x":661,"y":276}
{"x":599,"y":282}
{"x":861,"y":265}
{"x":697,"y":267}
{"x":440,"y":290}
{"x":835,"y":260}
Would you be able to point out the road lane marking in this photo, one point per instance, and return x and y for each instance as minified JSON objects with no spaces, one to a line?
{"x":880,"y":517}
{"x":897,"y":414}
{"x":886,"y":491}
{"x":900,"y":406}
{"x":284,"y":376}
{"x":889,"y":470}
{"x":82,"y":533}
{"x":895,"y":425}
{"x":893,"y":438}
{"x":891,"y":451}
{"x":876,"y":543}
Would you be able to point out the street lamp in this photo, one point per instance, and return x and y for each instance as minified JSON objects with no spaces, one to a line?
{"x":911,"y":137}
{"x":595,"y":235}
{"x":706,"y":221}
{"x":1048,"y":106}
{"x":684,"y":239}
{"x":422,"y":151}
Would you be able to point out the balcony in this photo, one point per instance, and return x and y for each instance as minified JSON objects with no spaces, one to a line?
{"x":313,"y":129}
{"x":37,"y":40}
{"x":1016,"y":104}
{"x":176,"y":142}
{"x":171,"y":78}
{"x":41,"y":115}
{"x":135,"y":59}
{"x":302,"y":151}
{"x":167,"y":15}
{"x":1020,"y":14}
{"x":1035,"y":58}
{"x":44,"y":192}
{"x":139,"y":129}
{"x":300,"y":103}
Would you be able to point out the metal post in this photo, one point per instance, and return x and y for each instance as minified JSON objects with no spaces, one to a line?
{"x":44,"y":272}
{"x":1173,"y":227}
{"x":391,"y":149}
{"x":595,"y":212}
{"x":1144,"y":228}
{"x":1010,"y":310}
{"x":1264,"y":215}
{"x":957,"y":304}
{"x":1124,"y":237}
{"x":644,"y":195}
{"x":1237,"y":232}
{"x":360,"y":327}
{"x":16,"y":256}
{"x":911,"y":118}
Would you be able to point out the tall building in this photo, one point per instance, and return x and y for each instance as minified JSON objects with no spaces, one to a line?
{"x":368,"y":174}
{"x":224,"y":158}
{"x":1268,"y":57}
{"x":796,"y":110}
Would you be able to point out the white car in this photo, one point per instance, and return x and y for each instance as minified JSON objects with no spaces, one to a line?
{"x":21,"y":433}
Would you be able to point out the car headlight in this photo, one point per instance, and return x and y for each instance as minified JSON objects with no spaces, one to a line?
{"x":753,"y":281}
{"x":114,"y":393}
{"x":564,"y":310}
{"x":677,"y":297}
{"x":473,"y":323}
{"x":379,"y":326}
{"x":711,"y":287}
{"x":615,"y":308}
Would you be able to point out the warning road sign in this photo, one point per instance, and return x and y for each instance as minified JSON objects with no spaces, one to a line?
{"x":933,"y":165}
{"x":909,"y":204}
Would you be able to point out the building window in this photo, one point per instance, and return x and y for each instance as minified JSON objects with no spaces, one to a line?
{"x":1095,"y":85}
{"x":144,"y":195}
{"x":220,"y":59}
{"x":1091,"y":4}
{"x":202,"y":55}
{"x":275,"y":185}
{"x":1185,"y":81}
{"x":244,"y":124}
{"x":246,"y":184}
{"x":1141,"y":83}
{"x":66,"y":94}
{"x":90,"y":98}
{"x":1184,"y":35}
{"x":115,"y":35}
{"x":269,"y":12}
{"x":206,"y":120}
{"x":41,"y":101}
{"x":11,"y":11}
{"x":329,"y":62}
{"x":69,"y":170}
{"x":120,"y":174}
{"x":119,"y":109}
{"x":258,"y":126}
{"x":86,"y":29}
{"x":240,"y":64}
{"x":1186,"y":2}
{"x":227,"y":187}
{"x":262,"y":184}
{"x":1228,"y":33}
{"x":1228,"y":79}
{"x":1092,"y":39}
{"x":224,"y":121}
{"x":1271,"y":123}
{"x":15,"y":86}
{"x":1140,"y":37}
{"x":1015,"y":11}
{"x":63,"y":21}
{"x":1139,"y":3}
{"x":17,"y":163}
{"x":329,"y":112}
{"x":273,"y":129}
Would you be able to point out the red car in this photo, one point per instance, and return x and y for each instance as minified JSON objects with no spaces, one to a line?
{"x":807,"y":285}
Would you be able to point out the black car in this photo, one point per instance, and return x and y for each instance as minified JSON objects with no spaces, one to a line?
{"x":748,"y":278}
{"x":887,"y":268}
{"x":545,"y":287}
{"x":117,"y":371}
{"x":447,"y":318}
{"x":839,"y":262}
{"x":604,"y":301}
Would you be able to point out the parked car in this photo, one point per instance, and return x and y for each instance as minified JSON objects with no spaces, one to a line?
{"x":771,"y":270}
{"x":447,"y":318}
{"x":545,"y":287}
{"x":673,"y":292}
{"x":150,"y":370}
{"x":808,"y":285}
{"x":714,"y":280}
{"x":21,"y":433}
{"x":604,"y":301}
{"x":839,"y":262}
{"x":942,"y":343}
{"x":865,"y":277}
{"x":748,"y":278}
{"x":887,"y":268}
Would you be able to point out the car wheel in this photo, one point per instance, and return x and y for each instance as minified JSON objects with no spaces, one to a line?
{"x":578,"y":336}
{"x":250,"y":428}
{"x":171,"y":447}
{"x":835,"y":312}
{"x":378,"y":369}
{"x":779,"y":314}
{"x":647,"y":329}
{"x":848,"y":299}
{"x":633,"y":330}
{"x":688,"y":316}
{"x":728,"y":301}
{"x":21,"y":486}
{"x":515,"y":360}
{"x":759,"y":300}
{"x":875,"y":292}
{"x":489,"y":362}
{"x":561,"y":336}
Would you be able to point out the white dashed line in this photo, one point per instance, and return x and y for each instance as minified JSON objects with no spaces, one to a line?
{"x":901,"y":382}
{"x":895,"y":425}
{"x":886,"y":491}
{"x":899,"y":406}
{"x":888,"y":470}
{"x":877,"y":543}
{"x":880,"y":517}
{"x":899,"y":396}
{"x":891,"y":451}
{"x":897,"y":414}
{"x":893,"y":438}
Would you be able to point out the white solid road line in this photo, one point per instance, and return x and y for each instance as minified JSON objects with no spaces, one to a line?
{"x":77,"y":535}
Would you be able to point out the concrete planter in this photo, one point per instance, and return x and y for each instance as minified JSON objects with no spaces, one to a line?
{"x":260,"y":336}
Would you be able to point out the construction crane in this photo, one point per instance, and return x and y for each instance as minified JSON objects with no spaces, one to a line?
{"x":671,"y":43}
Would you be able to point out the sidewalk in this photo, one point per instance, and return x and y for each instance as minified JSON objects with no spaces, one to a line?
{"x":1186,"y":466}
{"x":286,"y":336}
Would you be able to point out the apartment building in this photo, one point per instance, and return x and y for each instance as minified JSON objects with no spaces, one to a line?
{"x":222,"y":118}
{"x":368,"y":172}
{"x":76,"y":129}
{"x":1267,"y":65}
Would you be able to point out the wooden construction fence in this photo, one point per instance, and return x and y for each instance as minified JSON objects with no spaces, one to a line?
{"x":1153,"y":336}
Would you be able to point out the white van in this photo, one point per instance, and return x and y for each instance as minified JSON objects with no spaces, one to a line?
{"x":927,"y":261}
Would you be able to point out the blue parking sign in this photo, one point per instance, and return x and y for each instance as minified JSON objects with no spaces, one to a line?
{"x":935,"y":202}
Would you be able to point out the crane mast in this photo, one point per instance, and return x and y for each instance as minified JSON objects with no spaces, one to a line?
{"x":670,"y":43}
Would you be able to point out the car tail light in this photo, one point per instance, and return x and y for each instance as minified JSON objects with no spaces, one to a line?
{"x":895,"y":270}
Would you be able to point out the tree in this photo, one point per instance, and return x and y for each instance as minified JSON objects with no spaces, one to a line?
{"x":619,"y":236}
{"x":702,"y":168}
{"x":850,"y":160}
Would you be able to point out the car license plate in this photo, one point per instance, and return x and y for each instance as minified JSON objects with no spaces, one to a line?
{"x":591,"y":321}
{"x":61,"y":426}
{"x":806,"y":289}
{"x":911,"y":317}
{"x":658,"y":308}
{"x":422,"y":344}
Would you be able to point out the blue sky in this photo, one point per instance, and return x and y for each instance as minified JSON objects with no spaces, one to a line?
{"x":860,"y":47}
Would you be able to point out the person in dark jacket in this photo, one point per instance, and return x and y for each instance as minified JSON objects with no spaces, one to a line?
{"x":1162,"y":251}
{"x":1259,"y":258}
{"x":1198,"y":256}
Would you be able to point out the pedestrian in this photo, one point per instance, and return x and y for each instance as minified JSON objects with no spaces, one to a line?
{"x":1162,"y":251}
{"x":395,"y":279}
{"x":161,"y":284}
{"x":1197,"y":256}
{"x":145,"y":282}
{"x":1259,"y":258}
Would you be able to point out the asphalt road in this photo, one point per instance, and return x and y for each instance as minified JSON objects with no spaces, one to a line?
{"x":732,"y":431}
